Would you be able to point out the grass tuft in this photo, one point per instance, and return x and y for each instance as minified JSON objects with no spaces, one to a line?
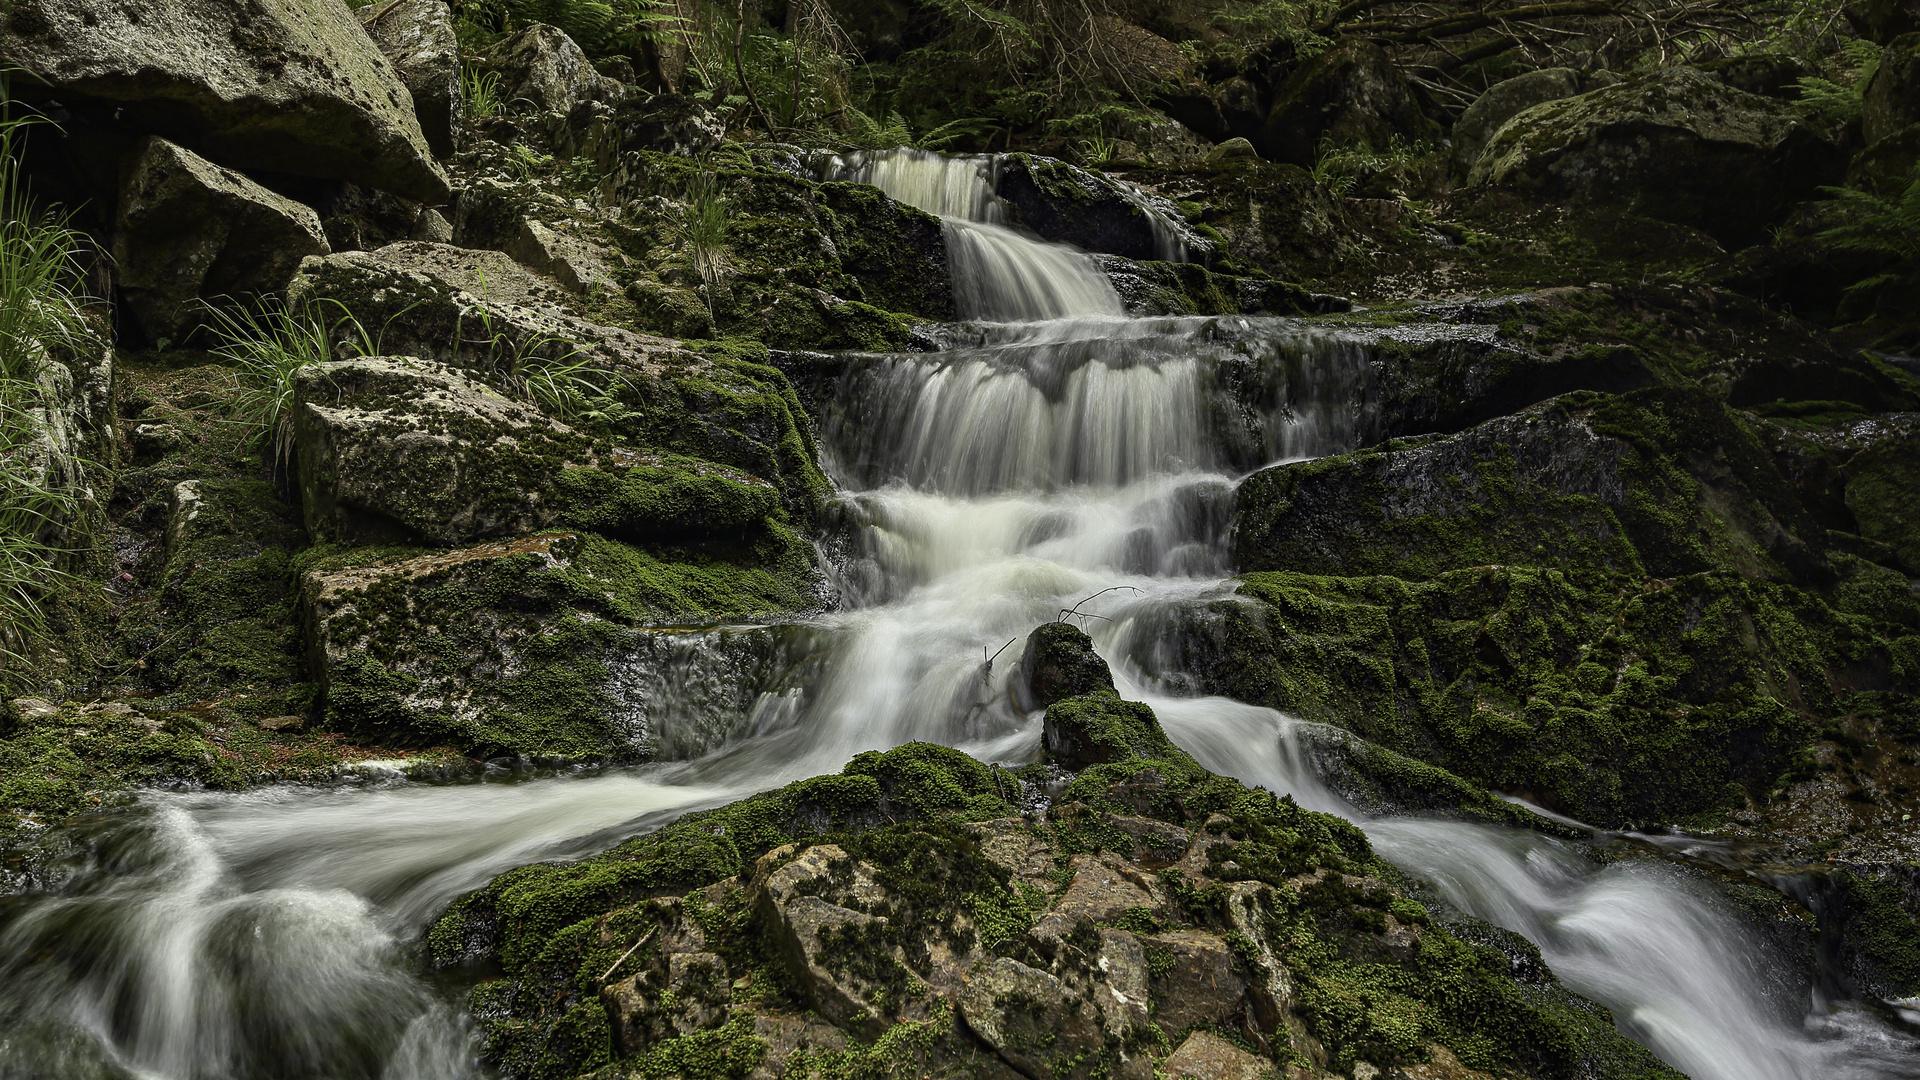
{"x":43,"y":311}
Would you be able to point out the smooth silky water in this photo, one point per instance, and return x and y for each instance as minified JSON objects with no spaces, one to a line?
{"x":1056,"y":451}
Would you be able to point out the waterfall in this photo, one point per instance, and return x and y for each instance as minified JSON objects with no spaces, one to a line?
{"x":999,"y":274}
{"x":1052,"y":453}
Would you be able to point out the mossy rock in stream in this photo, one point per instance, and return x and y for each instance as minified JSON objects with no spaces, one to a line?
{"x":1876,"y":914}
{"x":906,"y":885}
{"x":1587,"y":482}
{"x":1613,"y":699}
{"x":561,"y":645}
{"x":1059,"y":662}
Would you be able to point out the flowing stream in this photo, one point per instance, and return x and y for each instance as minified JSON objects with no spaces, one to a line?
{"x":1058,"y":450}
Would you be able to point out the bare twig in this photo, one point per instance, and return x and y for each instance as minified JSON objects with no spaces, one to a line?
{"x":987,"y":665}
{"x":1075,"y":612}
{"x":644,"y":938}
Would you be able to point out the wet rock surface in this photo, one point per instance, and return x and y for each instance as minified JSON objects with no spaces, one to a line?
{"x":1008,"y":945}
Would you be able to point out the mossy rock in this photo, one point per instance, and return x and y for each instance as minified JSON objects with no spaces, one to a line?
{"x":1876,"y":912}
{"x":1677,"y":145}
{"x":1094,"y":212}
{"x":1614,"y":699}
{"x":1097,"y":728}
{"x":1586,"y":482}
{"x":554,"y":645}
{"x":894,"y":829}
{"x":1059,"y":662}
{"x":813,"y":265}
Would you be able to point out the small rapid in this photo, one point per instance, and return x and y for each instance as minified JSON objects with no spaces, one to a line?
{"x":1053,"y":452}
{"x":1681,"y":973}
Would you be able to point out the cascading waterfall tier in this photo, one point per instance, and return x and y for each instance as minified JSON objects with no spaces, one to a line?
{"x":985,"y":488}
{"x":1098,"y":403}
{"x":998,"y":274}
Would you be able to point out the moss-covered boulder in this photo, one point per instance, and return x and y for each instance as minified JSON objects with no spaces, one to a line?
{"x":1875,"y":912}
{"x":402,"y":450}
{"x":283,"y":85}
{"x":475,"y":309}
{"x":934,"y":933}
{"x":1882,"y":480}
{"x":565,"y":645}
{"x":807,"y":265}
{"x":1586,"y":482}
{"x":1678,"y":145}
{"x":1892,"y":101}
{"x":1350,"y":95}
{"x":1502,"y":102}
{"x":1263,"y":218}
{"x":1707,"y":572}
{"x":1059,"y":662}
{"x":481,"y":312}
{"x":1096,"y":728}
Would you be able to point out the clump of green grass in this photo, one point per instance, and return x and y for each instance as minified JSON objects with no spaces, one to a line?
{"x":480,"y":91}
{"x":701,"y":229}
{"x":270,"y":344}
{"x":1341,"y":169}
{"x":43,"y":311}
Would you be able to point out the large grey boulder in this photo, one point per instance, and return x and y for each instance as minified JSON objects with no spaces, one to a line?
{"x":292,"y":86}
{"x":543,"y":68}
{"x":1675,"y":145}
{"x":189,"y":230}
{"x":401,"y":449}
{"x":1501,"y":103}
{"x":417,"y":37}
{"x":470,"y":308}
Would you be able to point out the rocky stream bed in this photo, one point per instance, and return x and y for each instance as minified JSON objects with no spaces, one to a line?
{"x":1186,"y":614}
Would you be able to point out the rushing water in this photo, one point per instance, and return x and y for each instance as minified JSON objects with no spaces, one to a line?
{"x":986,"y":488}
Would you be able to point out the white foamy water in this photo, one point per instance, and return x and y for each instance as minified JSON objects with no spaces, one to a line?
{"x":986,"y":488}
{"x":998,"y":274}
